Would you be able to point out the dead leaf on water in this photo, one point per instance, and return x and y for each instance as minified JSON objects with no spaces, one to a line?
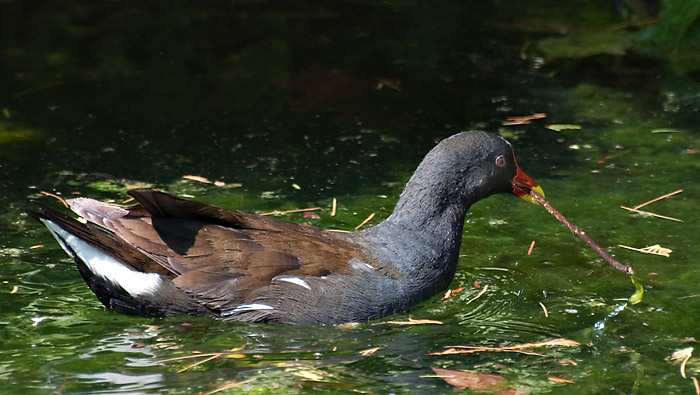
{"x":560,"y":380}
{"x":369,"y":351}
{"x":205,"y":180}
{"x":451,"y":292}
{"x":654,"y":250}
{"x":523,"y":119}
{"x":197,"y":178}
{"x":308,"y":374}
{"x":682,"y":355}
{"x":486,"y":383}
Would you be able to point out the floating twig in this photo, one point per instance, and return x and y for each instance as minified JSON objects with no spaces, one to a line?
{"x":209,"y":358}
{"x":685,"y":361}
{"x":537,"y":115}
{"x":483,"y":291}
{"x":515,"y":123}
{"x":515,"y":348}
{"x":651,"y":214}
{"x":334,"y":206}
{"x":37,"y":89}
{"x":578,"y":232}
{"x":299,"y":210}
{"x":411,"y":321}
{"x":546,"y":313}
{"x":627,"y":25}
{"x":637,"y":207}
{"x":365,"y":221}
{"x":532,"y":245}
{"x":391,"y":83}
{"x":231,"y":385}
{"x":60,"y":199}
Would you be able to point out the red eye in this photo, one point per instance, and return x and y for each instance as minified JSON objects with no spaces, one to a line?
{"x":501,"y":161}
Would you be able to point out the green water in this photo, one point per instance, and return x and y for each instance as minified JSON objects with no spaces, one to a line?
{"x":303,"y":103}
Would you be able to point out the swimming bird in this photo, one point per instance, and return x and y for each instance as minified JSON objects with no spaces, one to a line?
{"x":168,"y":256}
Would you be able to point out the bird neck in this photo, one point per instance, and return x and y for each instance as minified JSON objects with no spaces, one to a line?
{"x":424,"y":233}
{"x":435,"y":205}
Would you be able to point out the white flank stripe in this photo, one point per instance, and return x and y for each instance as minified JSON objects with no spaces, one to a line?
{"x":359,"y":265}
{"x":251,"y":306}
{"x":295,"y":280}
{"x":134,"y":282}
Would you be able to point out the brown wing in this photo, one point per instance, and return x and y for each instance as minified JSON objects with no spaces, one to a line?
{"x":224,"y":257}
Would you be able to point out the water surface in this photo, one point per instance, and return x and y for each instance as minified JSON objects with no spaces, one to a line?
{"x":293,"y":105}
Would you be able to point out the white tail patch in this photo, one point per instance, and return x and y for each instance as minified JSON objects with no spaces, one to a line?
{"x":295,"y":280}
{"x":134,"y":282}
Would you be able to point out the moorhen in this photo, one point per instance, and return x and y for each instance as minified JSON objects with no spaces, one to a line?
{"x":168,"y":256}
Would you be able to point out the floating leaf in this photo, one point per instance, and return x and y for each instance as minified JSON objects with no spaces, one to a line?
{"x":562,"y":126}
{"x":638,"y":293}
{"x":296,"y":186}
